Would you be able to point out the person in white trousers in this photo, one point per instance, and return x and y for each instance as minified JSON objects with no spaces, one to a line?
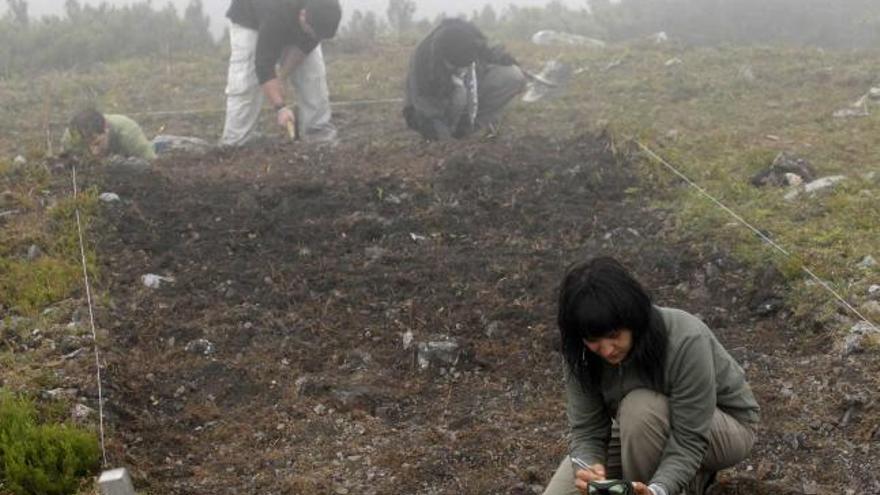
{"x":271,"y":41}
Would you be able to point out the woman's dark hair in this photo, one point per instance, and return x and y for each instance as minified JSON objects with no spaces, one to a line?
{"x":88,"y":123}
{"x":599,"y":297}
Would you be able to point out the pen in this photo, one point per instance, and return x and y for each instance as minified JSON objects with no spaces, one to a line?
{"x":583,"y":465}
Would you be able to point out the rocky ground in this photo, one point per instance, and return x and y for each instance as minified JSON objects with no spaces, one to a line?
{"x":378,"y":318}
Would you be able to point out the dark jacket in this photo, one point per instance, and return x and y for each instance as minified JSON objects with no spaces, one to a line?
{"x":278,"y":24}
{"x":429,"y":84}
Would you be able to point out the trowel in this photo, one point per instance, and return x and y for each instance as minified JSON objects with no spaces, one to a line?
{"x":550,"y":81}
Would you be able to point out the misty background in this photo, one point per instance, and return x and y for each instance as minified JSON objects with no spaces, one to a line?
{"x":40,"y":35}
{"x":216,"y":9}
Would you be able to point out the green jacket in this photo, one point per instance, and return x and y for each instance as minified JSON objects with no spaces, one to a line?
{"x":126,"y":139}
{"x":699,"y":376}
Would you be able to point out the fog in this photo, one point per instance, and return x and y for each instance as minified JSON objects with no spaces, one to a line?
{"x":217,"y":8}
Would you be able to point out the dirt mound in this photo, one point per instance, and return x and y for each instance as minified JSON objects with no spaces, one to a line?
{"x":280,"y":361}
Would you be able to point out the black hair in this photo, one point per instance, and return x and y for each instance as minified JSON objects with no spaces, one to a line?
{"x":459,"y":42}
{"x":597,"y":298}
{"x":324,"y":16}
{"x":88,"y":123}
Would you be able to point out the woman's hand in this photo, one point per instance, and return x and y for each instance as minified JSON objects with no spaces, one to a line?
{"x":596,"y":472}
{"x":641,"y":488}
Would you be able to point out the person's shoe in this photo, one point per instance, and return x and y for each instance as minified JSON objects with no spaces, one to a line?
{"x":327,"y":136}
{"x":491,"y":131}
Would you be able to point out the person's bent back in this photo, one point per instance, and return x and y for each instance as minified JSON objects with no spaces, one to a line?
{"x":93,"y":133}
{"x":458,"y":84}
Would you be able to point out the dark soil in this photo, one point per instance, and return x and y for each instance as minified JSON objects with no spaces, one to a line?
{"x":305,"y":267}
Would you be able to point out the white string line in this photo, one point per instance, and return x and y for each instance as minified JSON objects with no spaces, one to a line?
{"x":760,"y":234}
{"x":203,"y":111}
{"x":345,"y":103}
{"x":82,"y":252}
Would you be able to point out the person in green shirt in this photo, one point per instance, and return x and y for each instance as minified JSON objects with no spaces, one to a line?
{"x":653,"y":398}
{"x":102,"y":135}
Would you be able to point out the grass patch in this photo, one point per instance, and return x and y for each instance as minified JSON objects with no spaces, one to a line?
{"x":46,"y":459}
{"x":720,"y":116}
{"x":27,"y":286}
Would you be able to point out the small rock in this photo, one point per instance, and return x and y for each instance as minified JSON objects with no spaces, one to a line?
{"x":818,"y":185}
{"x":59,"y":393}
{"x":844,"y":113}
{"x":357,"y":360}
{"x":867,"y":262}
{"x":860,"y":334}
{"x":153,"y":281}
{"x":782,"y":171}
{"x":811,"y":488}
{"x":874,"y":291}
{"x":200,"y":346}
{"x":74,"y":354}
{"x":793,"y":179}
{"x":19,"y":161}
{"x":81,"y":413}
{"x":439,"y":353}
{"x":493,"y":328}
{"x":673,"y":61}
{"x":34,"y":252}
{"x":407,"y":339}
{"x":823,"y":183}
{"x":109,"y":197}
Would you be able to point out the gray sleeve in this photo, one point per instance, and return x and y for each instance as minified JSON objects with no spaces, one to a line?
{"x":691,"y":407}
{"x":588,"y":420}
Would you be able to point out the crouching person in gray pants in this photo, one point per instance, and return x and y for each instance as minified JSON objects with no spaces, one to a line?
{"x":287,"y":33}
{"x":457,"y":84}
{"x":653,"y":397}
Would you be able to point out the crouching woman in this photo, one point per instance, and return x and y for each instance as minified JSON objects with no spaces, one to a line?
{"x":653,"y":397}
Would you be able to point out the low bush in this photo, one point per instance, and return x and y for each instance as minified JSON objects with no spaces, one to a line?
{"x":42,"y":459}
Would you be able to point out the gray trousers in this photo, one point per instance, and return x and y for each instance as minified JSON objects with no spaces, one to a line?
{"x":639,"y":436}
{"x":497,"y":85}
{"x":244,"y":97}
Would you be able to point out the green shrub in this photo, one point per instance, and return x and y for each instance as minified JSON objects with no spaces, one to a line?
{"x":29,"y":286}
{"x":87,"y":35}
{"x":42,"y":459}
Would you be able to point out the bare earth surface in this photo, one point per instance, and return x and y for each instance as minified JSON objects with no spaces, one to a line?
{"x":279,"y":361}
